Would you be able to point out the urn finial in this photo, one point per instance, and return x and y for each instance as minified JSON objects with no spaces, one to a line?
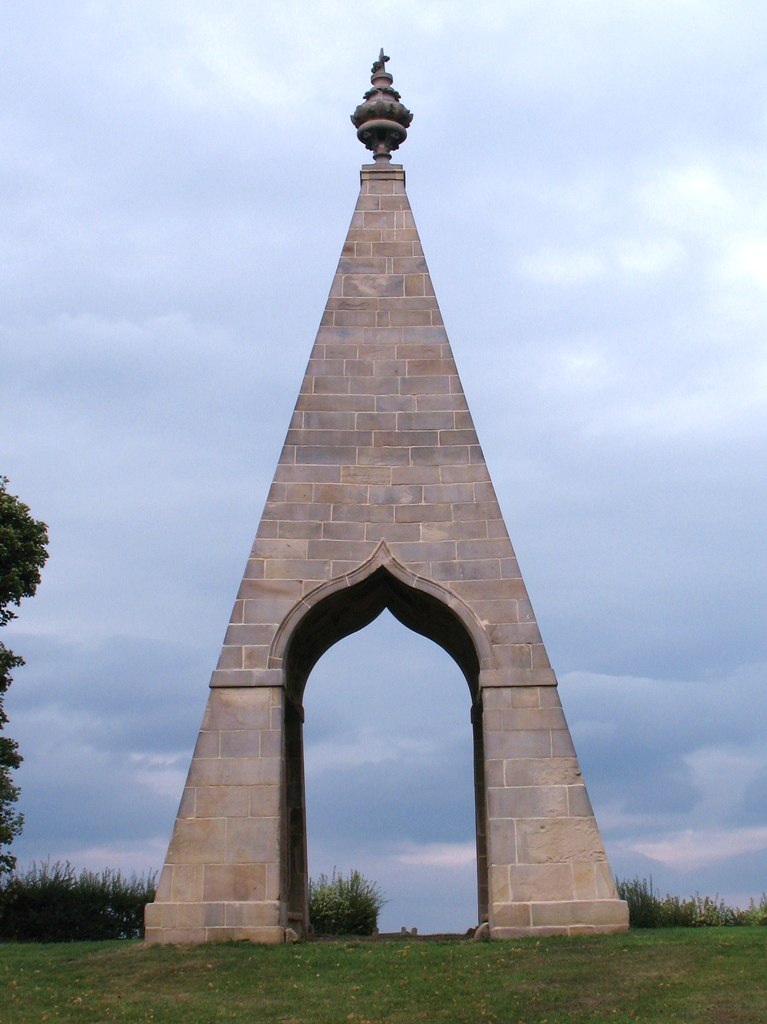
{"x":381,"y":120}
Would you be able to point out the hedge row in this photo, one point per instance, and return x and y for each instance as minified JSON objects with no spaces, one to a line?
{"x":648,"y":909}
{"x":51,"y":903}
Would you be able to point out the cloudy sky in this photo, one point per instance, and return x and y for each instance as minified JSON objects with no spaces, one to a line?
{"x":588,"y":177}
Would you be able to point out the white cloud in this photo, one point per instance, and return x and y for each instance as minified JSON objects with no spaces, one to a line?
{"x":722,"y":775}
{"x":569,"y":269}
{"x":442,"y":855}
{"x":140,"y":857}
{"x":691,"y":848}
{"x":747,"y":260}
{"x":161,"y":774}
{"x":648,"y":256}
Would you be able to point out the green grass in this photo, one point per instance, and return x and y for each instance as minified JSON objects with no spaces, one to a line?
{"x":690,"y":976}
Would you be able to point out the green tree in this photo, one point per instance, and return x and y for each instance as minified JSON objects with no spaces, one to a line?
{"x":23,"y":553}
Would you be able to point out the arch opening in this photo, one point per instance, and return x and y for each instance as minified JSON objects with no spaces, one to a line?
{"x":389,"y":777}
{"x":342,"y":612}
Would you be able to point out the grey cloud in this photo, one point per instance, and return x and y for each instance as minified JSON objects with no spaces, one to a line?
{"x":171,"y":228}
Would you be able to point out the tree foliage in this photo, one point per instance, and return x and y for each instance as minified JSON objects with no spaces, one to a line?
{"x":23,"y":541}
{"x":344,"y":906}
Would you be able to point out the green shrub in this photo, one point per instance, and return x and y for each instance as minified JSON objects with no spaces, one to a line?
{"x":647,"y":909}
{"x":643,"y":903}
{"x":340,"y":906}
{"x":51,"y":903}
{"x":755,"y":913}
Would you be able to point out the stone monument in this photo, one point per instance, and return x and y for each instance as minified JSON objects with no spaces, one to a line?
{"x":381,"y":499}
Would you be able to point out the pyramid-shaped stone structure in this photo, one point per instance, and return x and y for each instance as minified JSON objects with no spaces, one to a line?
{"x":381,"y":499}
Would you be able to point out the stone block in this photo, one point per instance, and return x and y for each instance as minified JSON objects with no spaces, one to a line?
{"x":362,"y":514}
{"x":605,"y":882}
{"x":299,"y":529}
{"x":207,"y":744}
{"x":424,"y":385}
{"x":230,"y":657}
{"x":559,"y":840}
{"x":186,"y":886}
{"x":517,"y":744}
{"x":528,"y":802}
{"x":358,"y":265}
{"x":264,"y":801}
{"x":176,"y":936}
{"x":532,"y":717}
{"x":533,"y":882}
{"x":255,"y":657}
{"x":492,"y":719}
{"x":414,"y":349}
{"x":340,"y":455}
{"x":414,"y":474}
{"x":562,"y":743}
{"x":394,"y":402}
{"x":376,"y":421}
{"x":383,"y":456}
{"x":580,"y":912}
{"x":186,"y":806}
{"x":237,"y":710}
{"x":273,"y":935}
{"x":423,"y":551}
{"x":511,"y":915}
{"x":349,"y":549}
{"x":366,"y":474}
{"x":454,"y":493}
{"x":214,"y":915}
{"x":496,"y":699}
{"x":153,"y":916}
{"x":252,"y":841}
{"x":343,"y":531}
{"x":451,"y":530}
{"x":578,"y":802}
{"x":197,"y":841}
{"x":165,"y":884}
{"x":417,"y":513}
{"x":468,"y":570}
{"x":479,"y":509}
{"x":513,"y":655}
{"x":392,"y":532}
{"x":238,"y":882}
{"x":241,"y":771}
{"x":396,"y":494}
{"x":478,"y":549}
{"x":252,"y":915}
{"x":514,"y":633}
{"x":585,"y":881}
{"x":500,"y":891}
{"x":437,"y":456}
{"x":495,"y":772}
{"x":249,"y":634}
{"x":424,"y":420}
{"x":222,"y":801}
{"x":543,"y":771}
{"x":393,"y":246}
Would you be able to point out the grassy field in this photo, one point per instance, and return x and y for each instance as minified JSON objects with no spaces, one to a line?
{"x":690,"y":976}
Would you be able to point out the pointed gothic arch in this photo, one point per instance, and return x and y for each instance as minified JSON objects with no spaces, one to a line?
{"x":382,"y":581}
{"x":334,"y":611}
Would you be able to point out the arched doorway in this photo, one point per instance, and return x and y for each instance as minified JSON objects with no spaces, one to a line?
{"x":335,"y":615}
{"x":388,"y":765}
